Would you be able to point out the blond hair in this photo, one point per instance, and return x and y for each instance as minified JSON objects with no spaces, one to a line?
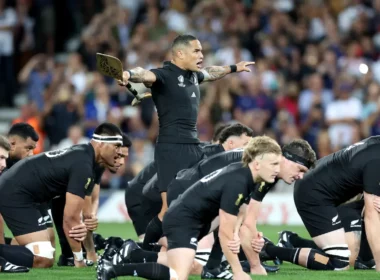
{"x":258,"y":146}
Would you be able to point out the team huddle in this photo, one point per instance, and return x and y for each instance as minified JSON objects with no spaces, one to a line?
{"x":195,"y":206}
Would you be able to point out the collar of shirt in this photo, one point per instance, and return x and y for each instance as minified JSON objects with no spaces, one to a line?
{"x":175,"y":68}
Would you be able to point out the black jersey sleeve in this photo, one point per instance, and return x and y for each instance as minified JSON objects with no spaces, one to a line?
{"x":80,"y":179}
{"x":371,"y":177}
{"x":161,"y":75}
{"x":233,"y":196}
{"x":200,"y":77}
{"x":261,"y":190}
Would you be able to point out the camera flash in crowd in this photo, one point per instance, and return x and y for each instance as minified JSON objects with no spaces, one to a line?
{"x":363,"y":68}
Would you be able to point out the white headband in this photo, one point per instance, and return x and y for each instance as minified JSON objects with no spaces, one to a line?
{"x":116,"y":139}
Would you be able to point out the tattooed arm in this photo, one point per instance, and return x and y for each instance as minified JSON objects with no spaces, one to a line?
{"x":213,"y":73}
{"x":138,"y":75}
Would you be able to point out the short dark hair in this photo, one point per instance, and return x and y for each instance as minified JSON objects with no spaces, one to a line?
{"x":23,"y":130}
{"x":236,"y":129}
{"x":4,"y":143}
{"x":183,"y":40}
{"x":301,"y":148}
{"x":108,"y":129}
{"x":126,"y":141}
{"x":218,"y":129}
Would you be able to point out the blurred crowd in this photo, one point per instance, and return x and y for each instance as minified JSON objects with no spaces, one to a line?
{"x":316,"y":76}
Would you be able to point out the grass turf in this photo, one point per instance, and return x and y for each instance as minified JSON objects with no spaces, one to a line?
{"x":287,"y":271}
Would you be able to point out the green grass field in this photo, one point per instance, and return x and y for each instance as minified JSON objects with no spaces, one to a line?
{"x":287,"y":271}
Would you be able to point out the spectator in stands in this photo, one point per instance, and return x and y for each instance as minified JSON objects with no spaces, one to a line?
{"x":74,"y":137}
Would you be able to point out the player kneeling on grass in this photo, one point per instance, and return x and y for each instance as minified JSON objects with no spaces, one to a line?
{"x":38,"y":179}
{"x":193,"y":215}
{"x":337,"y":178}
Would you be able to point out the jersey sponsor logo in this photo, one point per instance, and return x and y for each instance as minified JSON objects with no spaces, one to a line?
{"x":211,"y":176}
{"x":194,"y":241}
{"x":238,"y":200}
{"x":261,"y":186}
{"x":87,"y":184}
{"x":193,"y":95}
{"x":355,"y":223}
{"x":334,"y":220}
{"x":55,"y":153}
{"x":181,"y":80}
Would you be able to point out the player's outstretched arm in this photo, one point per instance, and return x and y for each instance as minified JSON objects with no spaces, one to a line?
{"x":138,"y":75}
{"x":372,"y":226}
{"x":248,"y":232}
{"x":226,"y":234}
{"x":213,"y":73}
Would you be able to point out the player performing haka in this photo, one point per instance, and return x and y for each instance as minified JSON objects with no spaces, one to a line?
{"x":175,"y":92}
{"x":90,"y":210}
{"x":37,"y":180}
{"x":191,"y":217}
{"x":336,"y":179}
{"x":23,"y":139}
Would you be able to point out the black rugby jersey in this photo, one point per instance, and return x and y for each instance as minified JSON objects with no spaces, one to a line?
{"x":342,"y":175}
{"x":44,"y":176}
{"x":176,"y":96}
{"x":225,"y":189}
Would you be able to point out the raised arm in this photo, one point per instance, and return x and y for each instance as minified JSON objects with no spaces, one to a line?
{"x":138,"y":75}
{"x":213,"y":73}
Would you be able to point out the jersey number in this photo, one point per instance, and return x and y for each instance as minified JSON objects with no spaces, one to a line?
{"x":55,"y":153}
{"x":354,"y":145}
{"x":210,"y":176}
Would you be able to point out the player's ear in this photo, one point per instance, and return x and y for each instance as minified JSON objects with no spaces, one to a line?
{"x":13,"y":145}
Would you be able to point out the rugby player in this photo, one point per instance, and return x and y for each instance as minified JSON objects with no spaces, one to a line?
{"x":298,"y":158}
{"x":23,"y":139}
{"x":40,"y":178}
{"x":176,"y":94}
{"x":193,"y":215}
{"x":90,"y":210}
{"x":336,"y":179}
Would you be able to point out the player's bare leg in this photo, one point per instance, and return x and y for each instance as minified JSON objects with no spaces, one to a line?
{"x":181,"y":261}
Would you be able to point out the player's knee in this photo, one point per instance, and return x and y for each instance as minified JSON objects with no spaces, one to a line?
{"x":43,"y":253}
{"x":41,"y":262}
{"x":336,"y":259}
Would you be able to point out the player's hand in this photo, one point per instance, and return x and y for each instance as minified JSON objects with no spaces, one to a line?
{"x":243,"y":66}
{"x":258,"y":270}
{"x":125,"y":80}
{"x":241,"y":275}
{"x":376,"y":203}
{"x":234,"y":245}
{"x":257,"y":242}
{"x":79,"y":263}
{"x":78,"y":232}
{"x":91,"y":222}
